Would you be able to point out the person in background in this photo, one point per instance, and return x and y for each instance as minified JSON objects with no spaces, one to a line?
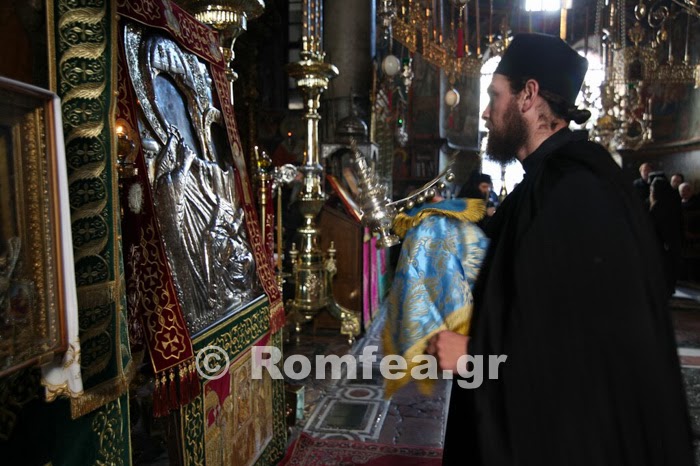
{"x":690,"y":206}
{"x":676,"y":180}
{"x":479,"y":186}
{"x":642,"y":183}
{"x":571,"y":294}
{"x":688,"y":197}
{"x":486,"y":188}
{"x":666,"y":216}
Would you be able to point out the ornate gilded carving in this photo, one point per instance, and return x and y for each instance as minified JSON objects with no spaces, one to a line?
{"x":412,"y":27}
{"x":405,"y":34}
{"x":28,"y":305}
{"x":642,"y":58}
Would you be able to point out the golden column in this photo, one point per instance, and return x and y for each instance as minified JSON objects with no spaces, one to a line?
{"x":312,"y":272}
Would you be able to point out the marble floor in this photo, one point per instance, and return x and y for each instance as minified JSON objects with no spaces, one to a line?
{"x":355,"y":408}
{"x":685,"y":311}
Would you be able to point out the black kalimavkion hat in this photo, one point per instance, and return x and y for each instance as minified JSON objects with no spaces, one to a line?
{"x":549,"y":60}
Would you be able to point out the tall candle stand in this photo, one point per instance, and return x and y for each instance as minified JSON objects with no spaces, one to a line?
{"x":281,"y":176}
{"x":313,"y":273}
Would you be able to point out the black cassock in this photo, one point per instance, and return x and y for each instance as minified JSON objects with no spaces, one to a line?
{"x":572,"y":291}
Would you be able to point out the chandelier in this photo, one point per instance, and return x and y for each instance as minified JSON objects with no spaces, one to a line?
{"x":442,"y":30}
{"x":438,"y":30}
{"x":638,"y":60}
{"x":646,"y":45}
{"x":692,"y":7}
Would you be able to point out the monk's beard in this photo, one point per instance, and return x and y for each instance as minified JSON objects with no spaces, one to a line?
{"x":503,"y":143}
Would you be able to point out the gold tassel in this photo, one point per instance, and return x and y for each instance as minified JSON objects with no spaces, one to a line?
{"x":183,"y":383}
{"x":172,"y":392}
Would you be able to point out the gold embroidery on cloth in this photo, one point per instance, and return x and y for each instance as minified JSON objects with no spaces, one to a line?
{"x":475,"y":211}
{"x":108,"y":425}
{"x":84,"y":72}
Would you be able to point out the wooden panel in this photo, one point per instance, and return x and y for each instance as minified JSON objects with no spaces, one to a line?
{"x":360,"y":270}
{"x":346,"y":233}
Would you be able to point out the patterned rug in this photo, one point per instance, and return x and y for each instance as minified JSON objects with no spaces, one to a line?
{"x":310,"y":451}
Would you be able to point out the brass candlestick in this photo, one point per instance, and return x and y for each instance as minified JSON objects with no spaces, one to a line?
{"x":264,"y":180}
{"x":313,"y":274}
{"x":283,"y":175}
{"x":230,"y":18}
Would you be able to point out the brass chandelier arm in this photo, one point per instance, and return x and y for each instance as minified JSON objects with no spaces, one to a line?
{"x":691,"y":7}
{"x":425,"y":192}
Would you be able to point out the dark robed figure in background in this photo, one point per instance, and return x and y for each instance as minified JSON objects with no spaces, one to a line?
{"x":572,"y":291}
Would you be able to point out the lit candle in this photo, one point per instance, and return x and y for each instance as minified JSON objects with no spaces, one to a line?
{"x":305,"y":18}
{"x":312,"y":24}
{"x":279,"y":229}
{"x":466,"y":30}
{"x":490,"y":21}
{"x":585,"y":35}
{"x":320,"y":25}
{"x":478,"y":34}
{"x":562,"y":24}
{"x":439,"y":19}
{"x":686,"y":55}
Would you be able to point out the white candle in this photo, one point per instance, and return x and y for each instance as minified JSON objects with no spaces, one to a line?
{"x":319,"y":30}
{"x":305,"y":18}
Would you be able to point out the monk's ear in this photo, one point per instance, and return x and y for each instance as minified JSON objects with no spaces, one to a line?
{"x":529,"y":94}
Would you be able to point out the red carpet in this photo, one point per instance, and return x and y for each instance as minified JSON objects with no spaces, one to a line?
{"x":310,"y":451}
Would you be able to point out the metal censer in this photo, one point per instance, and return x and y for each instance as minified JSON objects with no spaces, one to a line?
{"x":378,"y":211}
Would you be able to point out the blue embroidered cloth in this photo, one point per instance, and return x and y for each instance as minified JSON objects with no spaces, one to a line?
{"x":432,"y":290}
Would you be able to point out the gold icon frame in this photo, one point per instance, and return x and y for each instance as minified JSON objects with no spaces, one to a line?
{"x":37,"y":284}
